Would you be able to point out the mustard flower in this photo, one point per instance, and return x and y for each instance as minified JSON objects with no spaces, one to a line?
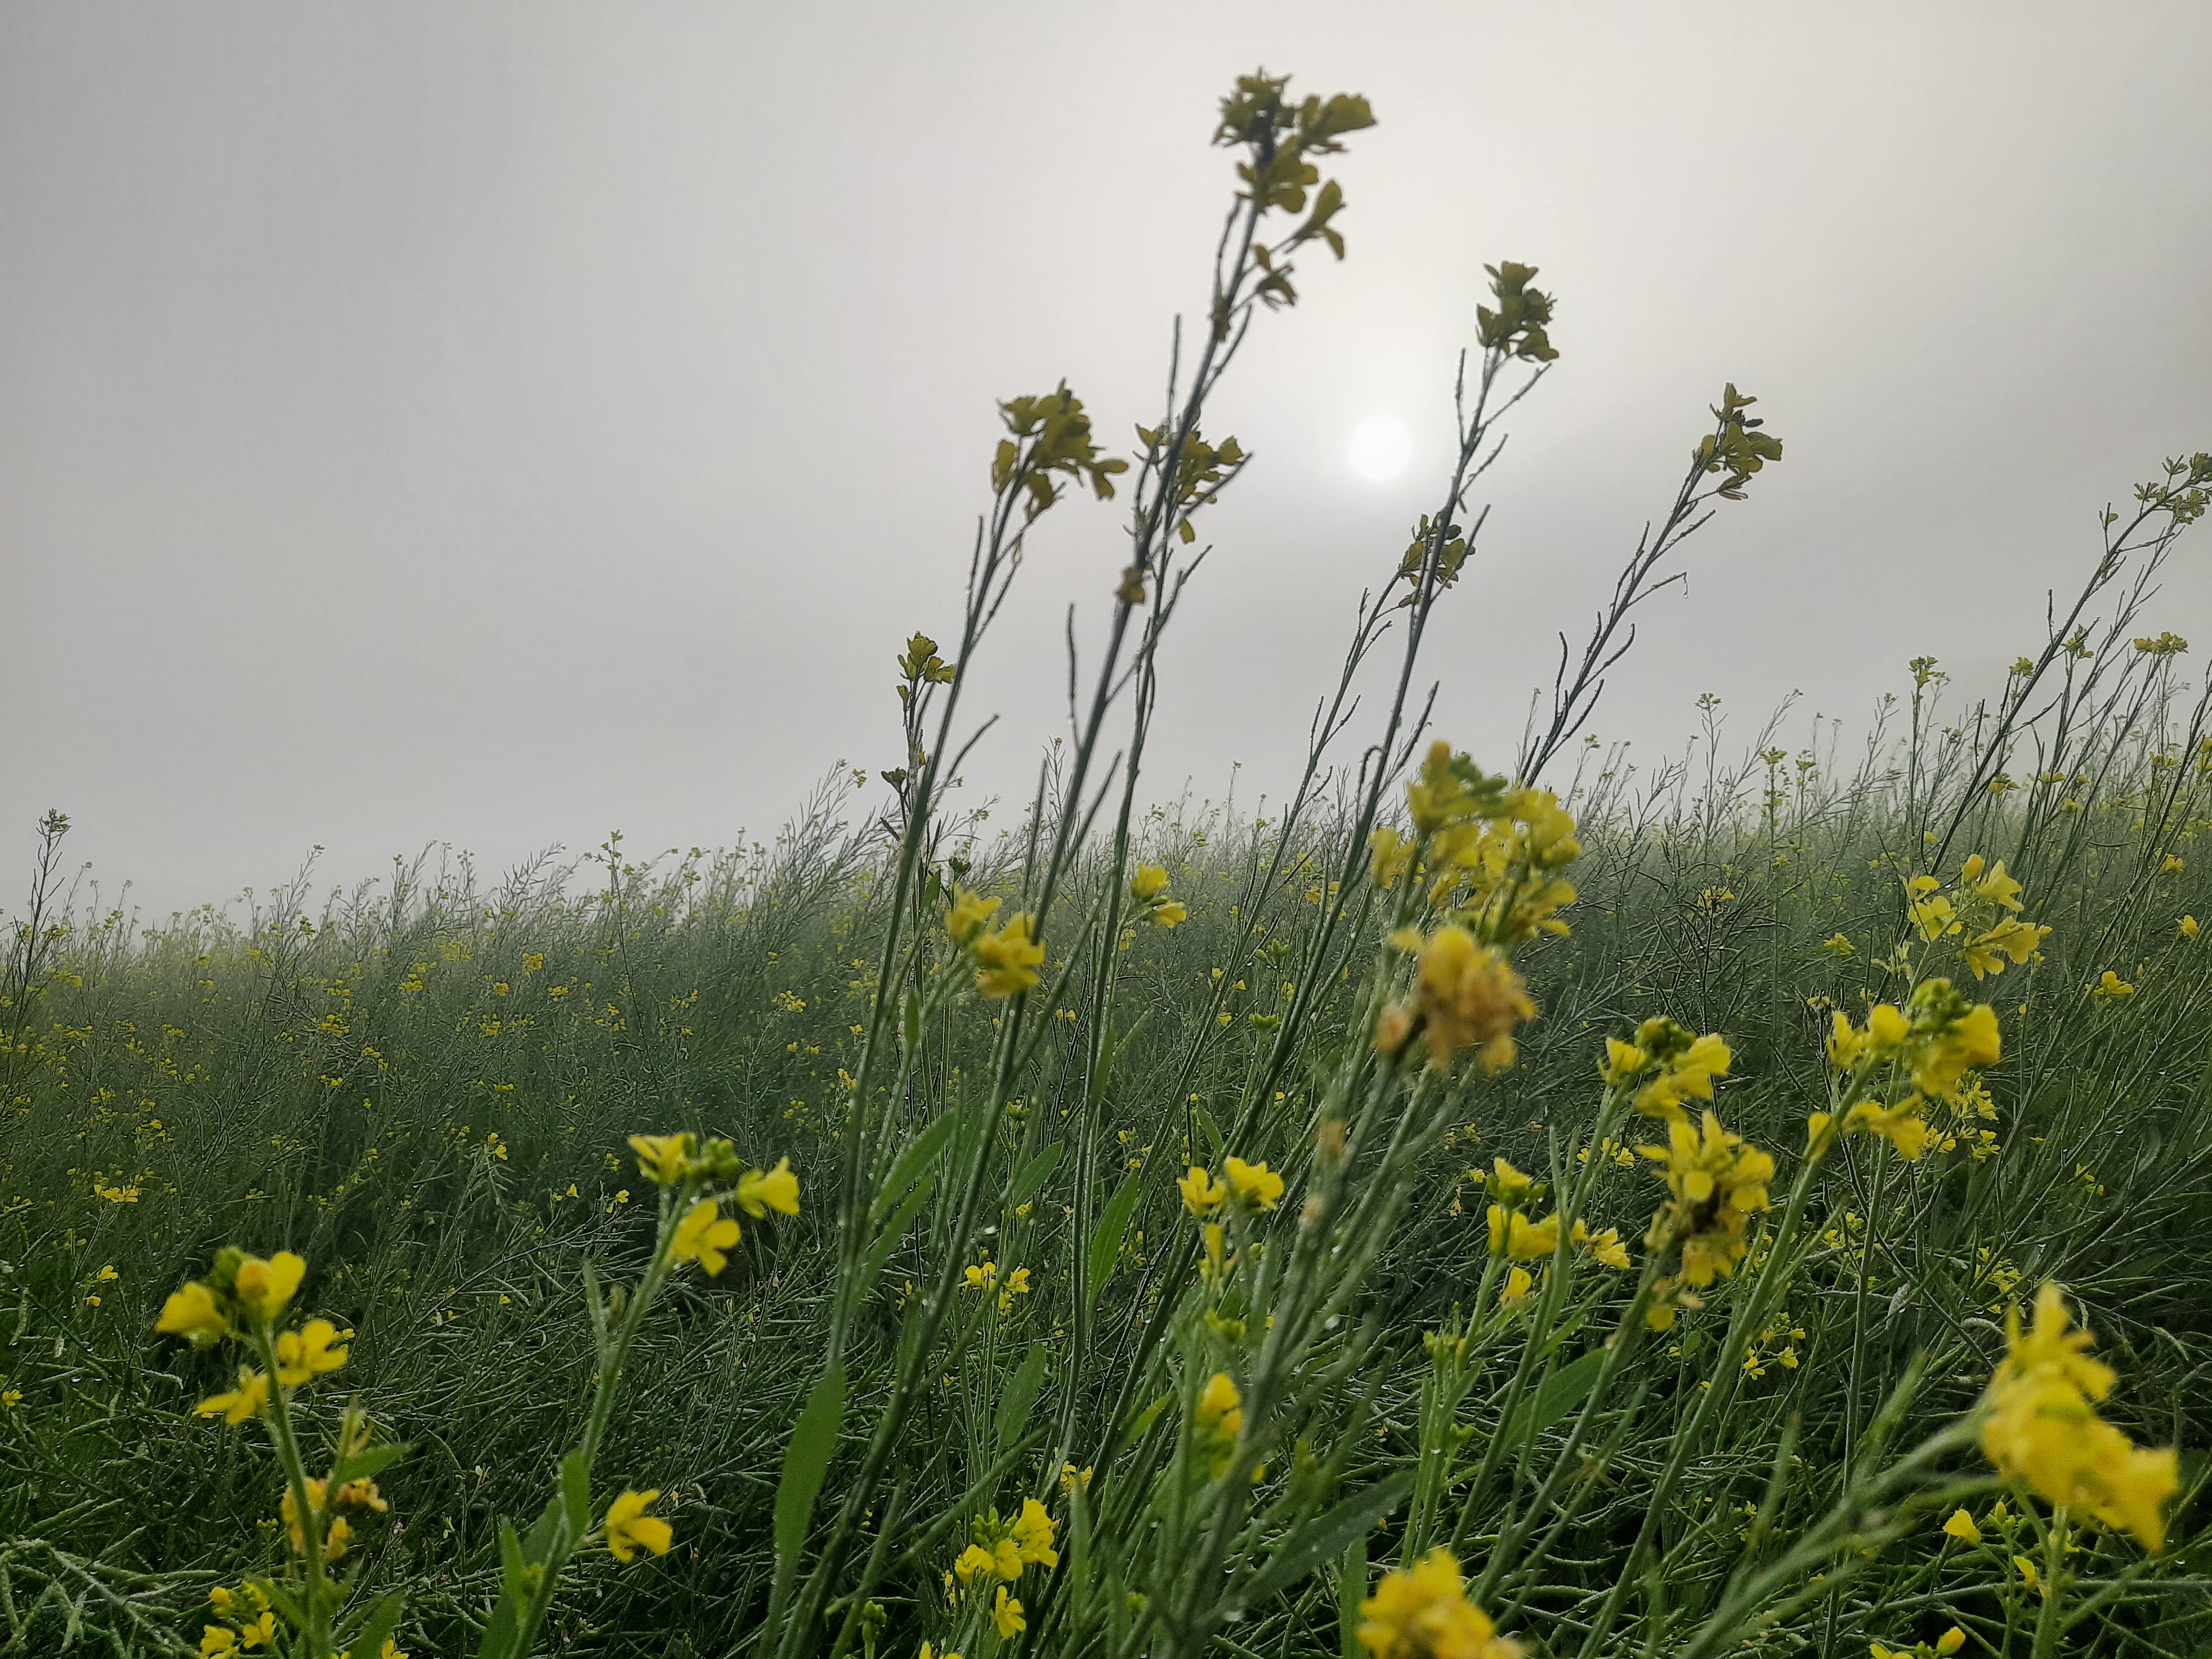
{"x":1033,"y":1534}
{"x":970,"y":913}
{"x":1717,"y":1184}
{"x":1006,"y":1614}
{"x":760,"y":1191}
{"x":2188,"y":928}
{"x":307,"y":1352}
{"x":1515,"y":1237}
{"x":249,"y":1399}
{"x":1201,"y":1193}
{"x":193,"y":1314}
{"x":703,"y":1236}
{"x":1221,"y":1408}
{"x":628,"y":1525}
{"x":263,"y":1288}
{"x":1961,"y":1526}
{"x":1465,"y":995}
{"x":1605,"y":1248}
{"x":1006,"y":961}
{"x":1150,"y":881}
{"x":1255,"y":1186}
{"x":665,"y":1159}
{"x":2043,"y":1428}
{"x":1517,"y":1286}
{"x":1423,"y":1613}
{"x":974,"y":1561}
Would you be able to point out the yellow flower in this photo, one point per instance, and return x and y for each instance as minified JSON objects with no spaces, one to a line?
{"x":1961,"y":1526}
{"x":263,"y":1288}
{"x":1254,"y":1185}
{"x":259,"y":1632}
{"x":1170,"y":912}
{"x":2042,"y":1427}
{"x":249,"y":1399}
{"x":2027,"y":1573}
{"x":216,"y":1639}
{"x":983,"y":1277}
{"x":307,"y":1352}
{"x":2111,"y":987}
{"x":1517,"y":1285}
{"x":191,"y":1313}
{"x":1006,"y":1614}
{"x":1423,"y":1613}
{"x":334,"y":1542}
{"x":701,"y":1236}
{"x":1150,"y":881}
{"x":1467,"y":996}
{"x":760,"y":1191}
{"x":629,"y":1526}
{"x":1717,"y":1185}
{"x":973,"y":1562}
{"x":2188,"y":929}
{"x":665,"y":1159}
{"x":1622,"y":1060}
{"x":1221,"y":1408}
{"x":1033,"y":1534}
{"x":1605,"y":1248}
{"x":968,"y":916}
{"x":1838,"y":944}
{"x":2010,"y":938}
{"x":928,"y":1653}
{"x":1950,"y":1641}
{"x":1887,"y":1028}
{"x":1018,"y":1284}
{"x":1201,"y":1193}
{"x":1520,"y":1239}
{"x":1006,"y":961}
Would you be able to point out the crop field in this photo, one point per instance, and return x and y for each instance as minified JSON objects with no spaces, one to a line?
{"x":1754,"y":1205}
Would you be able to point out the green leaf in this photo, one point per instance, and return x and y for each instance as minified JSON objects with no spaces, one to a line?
{"x":1020,"y":1395}
{"x":576,"y":1493}
{"x":363,"y":1465}
{"x":1106,"y":1242}
{"x":1214,"y":1135}
{"x":514,"y":1571}
{"x":1034,"y":1174}
{"x":1351,"y":1591}
{"x":1564,"y":1390}
{"x":912,"y":1023}
{"x":1328,"y":1535}
{"x":921,"y":1151}
{"x":813,"y":1440}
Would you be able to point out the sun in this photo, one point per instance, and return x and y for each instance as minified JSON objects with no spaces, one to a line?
{"x":1381,"y":447}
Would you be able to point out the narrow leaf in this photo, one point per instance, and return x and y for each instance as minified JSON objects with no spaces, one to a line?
{"x":813,"y":1438}
{"x":1106,"y":1242}
{"x":1035,"y":1173}
{"x":1021,"y":1394}
{"x":1328,"y":1535}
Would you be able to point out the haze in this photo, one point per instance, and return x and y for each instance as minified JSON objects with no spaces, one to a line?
{"x":499,"y":424}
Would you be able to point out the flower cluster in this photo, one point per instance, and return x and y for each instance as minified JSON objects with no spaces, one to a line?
{"x":1465,"y":995}
{"x":245,"y":1297}
{"x":1218,"y":1422}
{"x":998,"y":1554}
{"x":1149,"y":887}
{"x":704,"y":1234}
{"x":1717,"y":1184}
{"x":1423,"y":1613}
{"x":1006,"y":960}
{"x":1669,"y":1063}
{"x":1936,"y":1041}
{"x":1980,"y":911}
{"x":2043,"y":1427}
{"x":1494,"y":848}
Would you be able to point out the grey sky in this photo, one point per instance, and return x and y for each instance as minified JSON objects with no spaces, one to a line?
{"x":503,"y":424}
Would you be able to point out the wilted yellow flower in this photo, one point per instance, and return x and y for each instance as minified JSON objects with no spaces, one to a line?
{"x":1423,"y":1613}
{"x":191,"y":1313}
{"x":760,"y":1191}
{"x":665,"y":1159}
{"x":307,"y":1352}
{"x":1202,"y":1192}
{"x":1006,"y":961}
{"x":263,"y":1288}
{"x":249,"y":1399}
{"x":1255,"y":1186}
{"x":2042,"y":1427}
{"x":968,"y":915}
{"x":1006,"y":1614}
{"x":1961,"y":1526}
{"x":703,"y":1236}
{"x":628,"y":1526}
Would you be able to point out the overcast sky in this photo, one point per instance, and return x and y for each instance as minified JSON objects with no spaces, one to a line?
{"x":497,"y":424}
